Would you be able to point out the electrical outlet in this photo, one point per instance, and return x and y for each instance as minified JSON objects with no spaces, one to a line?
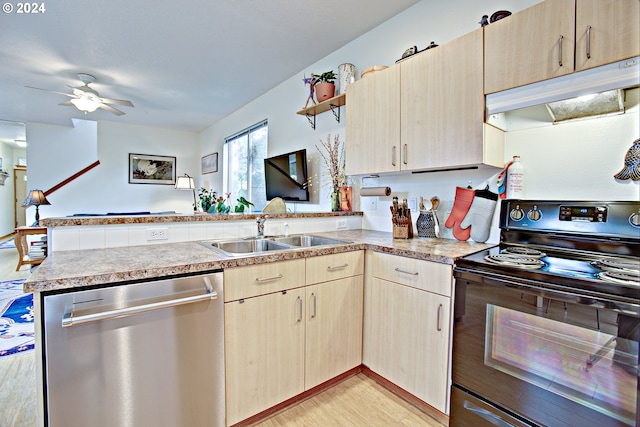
{"x":373,"y":204}
{"x":413,"y":204}
{"x":157,"y":233}
{"x":341,"y":224}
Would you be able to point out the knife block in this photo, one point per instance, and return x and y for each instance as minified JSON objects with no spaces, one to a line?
{"x":404,"y":229}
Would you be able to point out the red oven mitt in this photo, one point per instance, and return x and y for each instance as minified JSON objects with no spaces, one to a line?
{"x":461,"y":205}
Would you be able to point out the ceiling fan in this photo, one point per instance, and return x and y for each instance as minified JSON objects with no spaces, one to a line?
{"x":87,"y":99}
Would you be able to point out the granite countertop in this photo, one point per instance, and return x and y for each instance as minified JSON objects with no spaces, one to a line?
{"x":164,"y":217}
{"x":73,"y":270}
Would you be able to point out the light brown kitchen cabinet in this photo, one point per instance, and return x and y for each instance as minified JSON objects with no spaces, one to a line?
{"x":558,"y":37}
{"x":442,"y":105}
{"x":373,"y":123}
{"x":264,"y":348}
{"x":407,"y":325}
{"x":606,"y":31}
{"x":333,"y":342}
{"x":424,"y":113}
{"x":283,"y":337}
{"x":529,"y":46}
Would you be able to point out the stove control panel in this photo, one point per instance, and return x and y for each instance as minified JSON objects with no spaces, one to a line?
{"x":616,"y":219}
{"x":583,"y":213}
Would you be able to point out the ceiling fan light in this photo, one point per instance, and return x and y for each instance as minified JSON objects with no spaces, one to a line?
{"x":85,"y":105}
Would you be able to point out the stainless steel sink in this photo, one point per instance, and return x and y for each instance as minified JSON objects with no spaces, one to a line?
{"x":256,"y":245}
{"x":244,"y":247}
{"x":305,"y":241}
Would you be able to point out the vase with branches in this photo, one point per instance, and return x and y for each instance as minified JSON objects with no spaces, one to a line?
{"x":332,"y":154}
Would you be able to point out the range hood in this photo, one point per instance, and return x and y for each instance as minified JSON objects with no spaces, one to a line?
{"x":593,"y":92}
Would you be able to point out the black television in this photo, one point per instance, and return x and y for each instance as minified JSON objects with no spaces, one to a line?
{"x":285,"y":176}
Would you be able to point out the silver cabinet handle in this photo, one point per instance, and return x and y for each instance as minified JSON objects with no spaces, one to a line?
{"x":404,"y":154}
{"x":315,"y":308}
{"x":337,"y":267}
{"x":413,"y":273}
{"x":439,"y":319}
{"x":70,"y":320}
{"x":393,"y":155}
{"x":588,"y":41}
{"x":483,"y":413}
{"x":266,"y":279}
{"x":300,"y":309}
{"x":560,"y":50}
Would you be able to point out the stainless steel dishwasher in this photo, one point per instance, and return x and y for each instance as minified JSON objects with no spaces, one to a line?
{"x":142,"y":354}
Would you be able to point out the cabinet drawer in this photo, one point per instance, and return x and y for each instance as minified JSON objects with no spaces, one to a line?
{"x":254,"y":280}
{"x":419,"y":274}
{"x":335,"y":266}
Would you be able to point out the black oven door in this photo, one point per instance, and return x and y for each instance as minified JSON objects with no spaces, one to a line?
{"x":528,"y":356}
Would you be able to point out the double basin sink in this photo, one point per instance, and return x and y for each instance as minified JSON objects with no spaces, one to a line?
{"x":255,"y":245}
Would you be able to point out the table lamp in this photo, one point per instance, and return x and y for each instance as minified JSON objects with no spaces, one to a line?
{"x":186,"y":183}
{"x":36,"y":198}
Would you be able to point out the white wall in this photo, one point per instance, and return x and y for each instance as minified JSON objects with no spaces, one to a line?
{"x":57,"y":152}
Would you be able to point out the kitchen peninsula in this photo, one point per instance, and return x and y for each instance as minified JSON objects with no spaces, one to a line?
{"x":72,"y":271}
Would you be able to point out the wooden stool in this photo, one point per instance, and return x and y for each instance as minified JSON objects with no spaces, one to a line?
{"x":23,"y":246}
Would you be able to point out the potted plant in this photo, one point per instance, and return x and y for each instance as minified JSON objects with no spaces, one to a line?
{"x":325,"y":87}
{"x":333,"y":156}
{"x":242,"y":204}
{"x":206,"y":199}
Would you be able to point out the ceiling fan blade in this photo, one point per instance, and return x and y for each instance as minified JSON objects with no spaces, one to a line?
{"x":53,"y":91}
{"x":117,"y":102}
{"x":111,"y":109}
{"x":69,"y":103}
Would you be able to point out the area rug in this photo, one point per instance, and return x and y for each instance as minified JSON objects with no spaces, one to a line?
{"x":16,"y":318}
{"x":8,"y":244}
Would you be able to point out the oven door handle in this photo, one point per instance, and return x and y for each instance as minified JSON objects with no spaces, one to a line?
{"x":490,"y":417}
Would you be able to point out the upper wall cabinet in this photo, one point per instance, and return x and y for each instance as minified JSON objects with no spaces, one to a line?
{"x":424,"y":113}
{"x":442,"y":106}
{"x":558,"y":37}
{"x":373,"y":123}
{"x":606,"y":31}
{"x":529,"y":46}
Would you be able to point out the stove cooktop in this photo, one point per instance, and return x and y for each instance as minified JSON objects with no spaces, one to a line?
{"x":558,"y":269}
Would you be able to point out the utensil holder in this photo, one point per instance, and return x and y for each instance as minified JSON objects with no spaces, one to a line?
{"x":426,"y":224}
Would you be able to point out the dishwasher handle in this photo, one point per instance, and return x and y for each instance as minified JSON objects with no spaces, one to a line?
{"x":69,"y":319}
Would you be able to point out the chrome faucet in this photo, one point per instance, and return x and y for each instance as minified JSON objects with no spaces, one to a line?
{"x":261,"y":221}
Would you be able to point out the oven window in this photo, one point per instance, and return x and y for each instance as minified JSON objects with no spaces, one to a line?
{"x":593,"y":368}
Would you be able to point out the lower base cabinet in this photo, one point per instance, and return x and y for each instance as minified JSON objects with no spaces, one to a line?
{"x":407,"y":327}
{"x":290,"y":340}
{"x":264,"y":347}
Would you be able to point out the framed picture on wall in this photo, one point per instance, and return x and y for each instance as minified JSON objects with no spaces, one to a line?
{"x":0,"y":163}
{"x":148,"y":169}
{"x":210,"y":163}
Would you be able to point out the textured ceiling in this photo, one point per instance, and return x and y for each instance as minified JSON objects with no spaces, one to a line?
{"x":184,"y":65}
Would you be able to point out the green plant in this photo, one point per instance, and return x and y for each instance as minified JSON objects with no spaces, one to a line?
{"x":326,"y":77}
{"x":206,"y":199}
{"x":242,"y":204}
{"x":220,"y":205}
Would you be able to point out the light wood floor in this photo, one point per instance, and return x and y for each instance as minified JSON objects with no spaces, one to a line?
{"x":17,"y":372}
{"x":357,"y":401}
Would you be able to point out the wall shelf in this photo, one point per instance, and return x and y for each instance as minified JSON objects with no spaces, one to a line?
{"x":332,"y":104}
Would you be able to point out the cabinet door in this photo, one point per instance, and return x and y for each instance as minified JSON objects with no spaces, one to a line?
{"x":442,"y":104}
{"x":334,"y":329}
{"x":526,"y":47}
{"x":614,"y":34}
{"x":407,"y":339}
{"x":373,"y":123}
{"x":264,"y":348}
